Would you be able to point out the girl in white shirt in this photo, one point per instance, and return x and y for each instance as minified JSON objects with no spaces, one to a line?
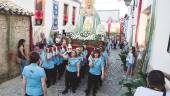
{"x":130,"y":63}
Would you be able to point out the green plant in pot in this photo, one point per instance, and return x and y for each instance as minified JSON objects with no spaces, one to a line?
{"x":123,"y":59}
{"x":131,"y":84}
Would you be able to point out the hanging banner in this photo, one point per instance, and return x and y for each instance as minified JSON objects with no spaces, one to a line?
{"x":39,"y":11}
{"x":55,"y":15}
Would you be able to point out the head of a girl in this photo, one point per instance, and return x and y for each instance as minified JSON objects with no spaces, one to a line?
{"x":96,"y":54}
{"x":156,"y":79}
{"x":55,"y":35}
{"x":36,"y":48}
{"x":133,"y":49}
{"x":69,"y":48}
{"x":81,"y":48}
{"x":42,"y":35}
{"x":101,"y":48}
{"x":73,"y":53}
{"x":85,"y":46}
{"x":41,"y":46}
{"x":34,"y":58}
{"x":64,"y":41}
{"x":21,"y":42}
{"x":47,"y":50}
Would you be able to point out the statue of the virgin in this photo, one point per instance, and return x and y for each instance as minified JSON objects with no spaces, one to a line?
{"x":88,"y":21}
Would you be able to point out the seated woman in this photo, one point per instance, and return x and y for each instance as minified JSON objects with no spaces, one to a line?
{"x":156,"y":84}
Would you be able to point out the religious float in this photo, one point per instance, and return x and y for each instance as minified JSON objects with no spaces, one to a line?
{"x":89,"y":29}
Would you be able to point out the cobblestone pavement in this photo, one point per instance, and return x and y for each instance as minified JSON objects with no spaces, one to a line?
{"x":110,"y":85}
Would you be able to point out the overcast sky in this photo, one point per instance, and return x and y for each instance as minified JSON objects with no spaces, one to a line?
{"x":111,"y":5}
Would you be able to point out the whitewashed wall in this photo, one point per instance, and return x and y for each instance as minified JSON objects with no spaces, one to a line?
{"x":48,"y":17}
{"x":29,"y":4}
{"x":70,"y":4}
{"x":160,"y":58}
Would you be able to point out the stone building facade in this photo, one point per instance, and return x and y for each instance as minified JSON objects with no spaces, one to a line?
{"x":15,"y":24}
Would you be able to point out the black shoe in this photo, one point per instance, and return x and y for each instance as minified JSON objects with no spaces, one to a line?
{"x":87,"y":92}
{"x":74,"y":91}
{"x":94,"y":94}
{"x":54,"y":83}
{"x":65,"y":91}
{"x":101,"y":84}
{"x":48,"y":86}
{"x":59,"y":78}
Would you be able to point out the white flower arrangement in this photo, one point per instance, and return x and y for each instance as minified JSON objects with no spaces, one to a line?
{"x":83,"y":36}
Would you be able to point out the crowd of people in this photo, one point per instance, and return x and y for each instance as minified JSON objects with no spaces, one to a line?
{"x":53,"y":58}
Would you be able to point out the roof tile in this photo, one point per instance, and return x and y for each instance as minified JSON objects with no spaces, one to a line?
{"x":9,"y":7}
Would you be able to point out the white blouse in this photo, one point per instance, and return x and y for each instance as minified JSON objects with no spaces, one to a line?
{"x":142,"y":91}
{"x":130,"y":58}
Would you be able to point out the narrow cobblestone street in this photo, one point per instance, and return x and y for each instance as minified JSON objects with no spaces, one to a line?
{"x":110,"y":85}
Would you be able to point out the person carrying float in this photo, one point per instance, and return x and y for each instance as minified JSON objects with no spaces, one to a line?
{"x":72,"y":71}
{"x":96,"y":72}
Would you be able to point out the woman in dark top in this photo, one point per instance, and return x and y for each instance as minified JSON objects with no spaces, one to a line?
{"x":22,"y":55}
